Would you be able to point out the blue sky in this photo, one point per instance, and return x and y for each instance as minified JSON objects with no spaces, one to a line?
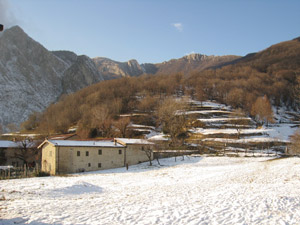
{"x":155,"y":30}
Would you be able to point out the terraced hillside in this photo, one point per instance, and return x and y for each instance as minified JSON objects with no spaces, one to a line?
{"x":220,"y":129}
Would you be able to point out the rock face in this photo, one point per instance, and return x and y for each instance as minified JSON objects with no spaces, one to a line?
{"x":80,"y":74}
{"x":31,"y":77}
{"x":112,"y":69}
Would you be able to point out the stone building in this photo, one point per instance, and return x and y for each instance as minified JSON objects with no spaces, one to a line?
{"x":70,"y":156}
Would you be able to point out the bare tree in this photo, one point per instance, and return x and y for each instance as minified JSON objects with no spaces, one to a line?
{"x":200,"y":93}
{"x":26,"y":151}
{"x":239,"y":120}
{"x":122,"y":126}
{"x":149,"y":152}
{"x":295,"y":144}
{"x":32,"y":122}
{"x":262,"y":110}
{"x":172,"y":117}
{"x":236,"y":97}
{"x":102,"y":121}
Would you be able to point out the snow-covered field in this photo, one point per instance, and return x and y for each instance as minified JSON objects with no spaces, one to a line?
{"x":198,"y":190}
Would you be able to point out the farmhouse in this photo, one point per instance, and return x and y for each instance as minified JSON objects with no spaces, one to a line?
{"x":70,"y":156}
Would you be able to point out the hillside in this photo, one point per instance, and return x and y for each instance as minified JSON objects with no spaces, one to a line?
{"x":198,"y":190}
{"x":26,"y":66}
{"x":250,"y":83}
{"x":32,"y":77}
{"x":192,"y":62}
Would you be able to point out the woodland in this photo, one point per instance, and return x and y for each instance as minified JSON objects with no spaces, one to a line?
{"x":252,"y":84}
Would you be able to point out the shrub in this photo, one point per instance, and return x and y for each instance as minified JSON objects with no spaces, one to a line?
{"x":41,"y":174}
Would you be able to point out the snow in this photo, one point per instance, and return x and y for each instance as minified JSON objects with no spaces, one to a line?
{"x":276,"y":133}
{"x":157,"y":136}
{"x":19,"y":134}
{"x":198,"y":190}
{"x":141,"y":126}
{"x":203,"y":112}
{"x":131,"y":141}
{"x":6,"y":167}
{"x":84,"y":143}
{"x":18,"y":144}
{"x":282,"y":131}
{"x":7,"y":144}
{"x":210,"y":104}
{"x":229,"y":131}
{"x":246,"y":140}
{"x":211,"y":120}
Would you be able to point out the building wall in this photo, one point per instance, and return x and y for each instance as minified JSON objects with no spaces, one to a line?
{"x":61,"y":160}
{"x":71,"y":162}
{"x":56,"y":160}
{"x":135,"y":155}
{"x":48,"y":159}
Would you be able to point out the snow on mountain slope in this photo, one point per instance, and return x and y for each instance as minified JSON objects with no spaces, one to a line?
{"x":31,"y":77}
{"x":209,"y":190}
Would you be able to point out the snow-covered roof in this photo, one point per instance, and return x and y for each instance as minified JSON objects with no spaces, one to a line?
{"x":74,"y":143}
{"x":18,"y":144}
{"x":6,"y":167}
{"x":8,"y":144}
{"x":131,"y":141}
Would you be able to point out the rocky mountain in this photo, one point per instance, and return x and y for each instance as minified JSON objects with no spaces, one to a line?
{"x":189,"y":63}
{"x":31,"y":77}
{"x":111,"y":69}
{"x":81,"y":73}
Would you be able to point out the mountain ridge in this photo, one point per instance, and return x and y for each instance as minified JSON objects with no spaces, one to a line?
{"x":33,"y":77}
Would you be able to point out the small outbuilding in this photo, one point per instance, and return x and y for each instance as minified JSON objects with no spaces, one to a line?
{"x":18,"y":153}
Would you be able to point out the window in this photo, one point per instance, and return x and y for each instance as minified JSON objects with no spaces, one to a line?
{"x":99,"y":165}
{"x":100,"y":152}
{"x":78,"y":153}
{"x":120,"y":151}
{"x":50,"y":153}
{"x":89,"y":164}
{"x":87,"y":153}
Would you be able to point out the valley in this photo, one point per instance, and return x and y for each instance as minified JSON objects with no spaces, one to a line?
{"x":149,"y":112}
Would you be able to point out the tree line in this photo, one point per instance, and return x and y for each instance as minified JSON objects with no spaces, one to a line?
{"x":260,"y":81}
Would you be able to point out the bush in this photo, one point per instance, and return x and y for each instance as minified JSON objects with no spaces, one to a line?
{"x":41,"y":174}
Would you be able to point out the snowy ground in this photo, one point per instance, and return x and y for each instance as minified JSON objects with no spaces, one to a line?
{"x":209,"y":190}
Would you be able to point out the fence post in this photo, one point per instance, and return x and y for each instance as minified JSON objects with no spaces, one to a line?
{"x":37,"y":168}
{"x":25,"y":170}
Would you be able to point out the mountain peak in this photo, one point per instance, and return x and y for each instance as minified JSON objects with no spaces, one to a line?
{"x":195,"y":57}
{"x":15,"y":30}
